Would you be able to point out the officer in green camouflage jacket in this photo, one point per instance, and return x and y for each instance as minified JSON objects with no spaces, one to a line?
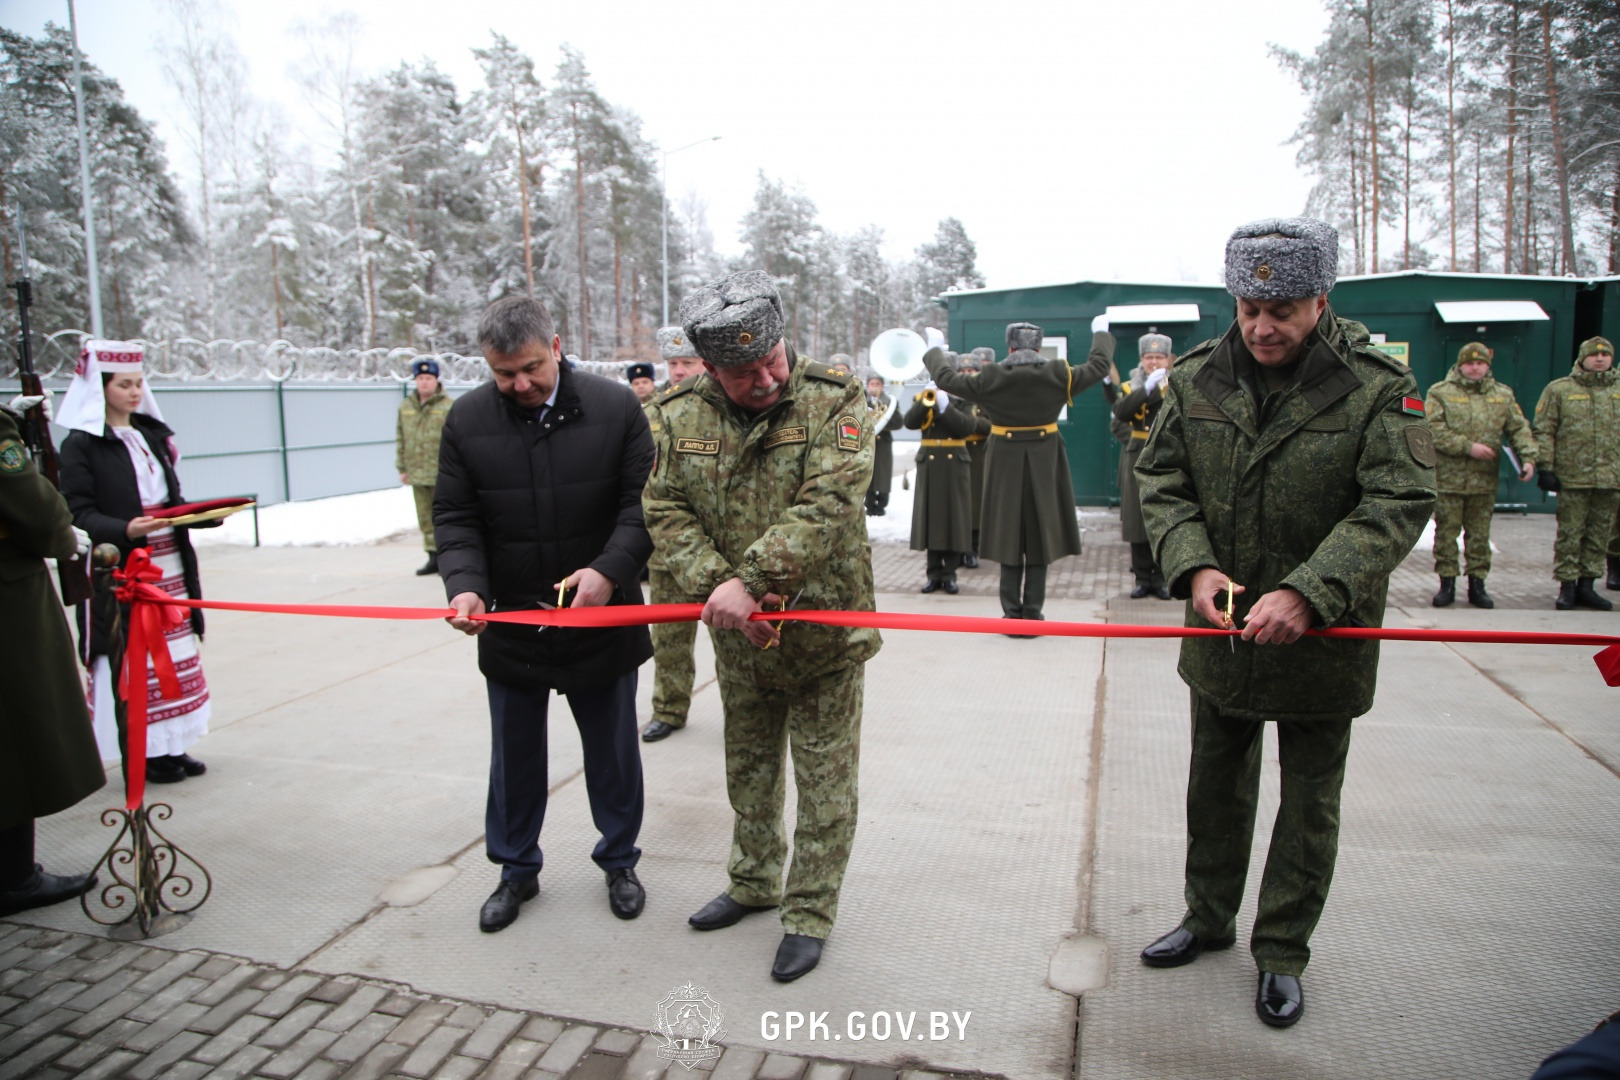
{"x":1578,"y":427}
{"x":1291,"y":462}
{"x":416,"y":448}
{"x":1471,"y":414}
{"x":756,"y":502}
{"x":674,"y":670}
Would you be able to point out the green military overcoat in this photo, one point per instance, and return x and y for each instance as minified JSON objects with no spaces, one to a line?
{"x":1133,"y":412}
{"x":883,"y":450}
{"x":977,"y":443}
{"x":416,"y":437}
{"x":1028,"y":509}
{"x":1463,"y":412}
{"x":48,"y":756}
{"x":1322,"y":487}
{"x":775,"y":498}
{"x":942,"y":506}
{"x":1578,"y":428}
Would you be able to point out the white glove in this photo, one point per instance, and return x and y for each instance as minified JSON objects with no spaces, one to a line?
{"x":81,"y":542}
{"x":1099,"y":325}
{"x":23,"y":402}
{"x":942,"y":401}
{"x":933,"y":338}
{"x":1156,"y":379}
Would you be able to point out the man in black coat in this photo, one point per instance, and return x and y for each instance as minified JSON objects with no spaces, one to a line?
{"x":540,"y":477}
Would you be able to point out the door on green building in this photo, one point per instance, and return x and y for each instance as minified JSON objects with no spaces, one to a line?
{"x":1506,"y":367}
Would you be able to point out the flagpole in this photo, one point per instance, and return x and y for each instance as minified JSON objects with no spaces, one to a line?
{"x":84,"y":181}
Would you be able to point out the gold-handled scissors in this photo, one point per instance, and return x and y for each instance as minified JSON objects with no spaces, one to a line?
{"x":783,"y":604}
{"x":1230,"y":594}
{"x":562,"y":590}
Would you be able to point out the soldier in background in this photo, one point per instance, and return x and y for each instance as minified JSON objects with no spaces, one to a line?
{"x":1614,"y":554}
{"x":755,"y":502}
{"x":1289,"y":473}
{"x":885,"y":422}
{"x":1029,"y":518}
{"x":640,"y":376}
{"x":1134,"y":407}
{"x":1578,"y":428}
{"x":416,"y":449}
{"x":942,"y":506}
{"x":48,"y":756}
{"x":1471,"y":414}
{"x":975,"y":361}
{"x":674,"y":670}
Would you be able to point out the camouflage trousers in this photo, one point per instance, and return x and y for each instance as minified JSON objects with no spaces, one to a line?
{"x":1222,"y":792}
{"x":821,"y":719}
{"x":1614,"y":537}
{"x":673,"y":668}
{"x":424,"y":513}
{"x":1586,"y":518}
{"x":1470,"y":515}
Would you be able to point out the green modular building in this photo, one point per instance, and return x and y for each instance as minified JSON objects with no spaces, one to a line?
{"x":1533,"y":323}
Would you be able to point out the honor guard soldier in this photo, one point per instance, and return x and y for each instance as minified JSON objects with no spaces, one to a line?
{"x":673,"y":668}
{"x":1289,"y":473}
{"x":1471,"y":414}
{"x":640,"y":376}
{"x":1029,"y":518}
{"x":885,"y":422}
{"x":755,"y":502}
{"x":976,"y":361}
{"x":416,"y":448}
{"x":942,"y":507}
{"x":1578,"y":428}
{"x":1134,"y":408}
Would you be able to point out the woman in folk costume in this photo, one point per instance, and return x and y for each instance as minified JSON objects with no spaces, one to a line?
{"x":117,"y":468}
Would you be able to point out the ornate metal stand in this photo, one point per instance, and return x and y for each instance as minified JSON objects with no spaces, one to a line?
{"x":152,"y":888}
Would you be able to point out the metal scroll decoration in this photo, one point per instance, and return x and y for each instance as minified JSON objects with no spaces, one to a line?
{"x":155,"y":885}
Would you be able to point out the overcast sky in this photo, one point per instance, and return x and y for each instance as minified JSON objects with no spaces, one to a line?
{"x":1075,"y":139}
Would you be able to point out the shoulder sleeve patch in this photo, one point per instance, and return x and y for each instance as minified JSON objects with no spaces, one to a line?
{"x":12,"y":458}
{"x":849,"y":433}
{"x":1420,"y":443}
{"x":1412,"y":406}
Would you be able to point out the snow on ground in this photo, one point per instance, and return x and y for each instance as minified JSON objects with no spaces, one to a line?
{"x":364,"y":518}
{"x":1426,"y":541}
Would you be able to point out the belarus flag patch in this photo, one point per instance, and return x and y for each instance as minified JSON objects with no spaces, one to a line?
{"x":1412,"y":406}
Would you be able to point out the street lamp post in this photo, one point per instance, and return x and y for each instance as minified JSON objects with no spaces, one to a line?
{"x":664,"y":174}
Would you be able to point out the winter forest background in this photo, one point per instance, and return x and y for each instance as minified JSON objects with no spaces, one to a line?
{"x":1473,"y":135}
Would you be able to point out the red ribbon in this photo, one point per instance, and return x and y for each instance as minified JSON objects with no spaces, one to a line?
{"x":151,"y":613}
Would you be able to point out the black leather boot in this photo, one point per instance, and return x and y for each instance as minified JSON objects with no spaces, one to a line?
{"x":1447,"y":594}
{"x":1566,"y":596}
{"x":1586,"y":596}
{"x":1614,"y":572}
{"x":1477,"y":594}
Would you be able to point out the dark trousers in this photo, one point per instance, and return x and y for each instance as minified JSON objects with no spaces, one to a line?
{"x":16,"y":855}
{"x":1222,"y":791}
{"x":942,"y":564}
{"x":1143,"y":568}
{"x":1023,"y":590}
{"x":606,"y":718}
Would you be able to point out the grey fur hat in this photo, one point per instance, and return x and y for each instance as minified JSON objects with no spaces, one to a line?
{"x":1023,"y":335}
{"x":674,"y":344}
{"x":1154,"y":342}
{"x":1282,"y":259}
{"x":735,"y":321}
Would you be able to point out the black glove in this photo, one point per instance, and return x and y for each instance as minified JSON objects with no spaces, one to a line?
{"x":1547,"y":480}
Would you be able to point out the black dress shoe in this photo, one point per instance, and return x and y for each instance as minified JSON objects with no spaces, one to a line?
{"x":501,"y":909}
{"x":164,"y":770}
{"x":932,"y":586}
{"x":1140,"y":592}
{"x":951,"y":588}
{"x":1181,"y":946}
{"x":658,"y":730}
{"x":971,"y":561}
{"x":797,"y":955}
{"x":625,"y":895}
{"x":722,"y":912}
{"x":192,"y":766}
{"x":1162,"y":592}
{"x":42,"y":890}
{"x":1280,"y":1000}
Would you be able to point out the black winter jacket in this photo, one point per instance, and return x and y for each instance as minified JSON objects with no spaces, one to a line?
{"x":520,"y":504}
{"x":98,"y":481}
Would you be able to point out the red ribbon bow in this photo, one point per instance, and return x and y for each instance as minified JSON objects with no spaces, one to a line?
{"x":151,"y":614}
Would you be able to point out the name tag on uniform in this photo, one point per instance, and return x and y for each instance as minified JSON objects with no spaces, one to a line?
{"x":1327,"y":422}
{"x":1580,"y":397}
{"x":1199,"y":409}
{"x":784,"y":436}
{"x":711,"y":447}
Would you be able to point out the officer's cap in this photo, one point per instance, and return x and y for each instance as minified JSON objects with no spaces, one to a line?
{"x":673,"y":344}
{"x":735,"y":321}
{"x":638,"y":371}
{"x":1282,"y":259}
{"x":1154,"y":343}
{"x":1023,"y":335}
{"x":424,"y":367}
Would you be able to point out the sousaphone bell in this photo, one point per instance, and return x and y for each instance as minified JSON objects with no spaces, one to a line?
{"x":897,"y":355}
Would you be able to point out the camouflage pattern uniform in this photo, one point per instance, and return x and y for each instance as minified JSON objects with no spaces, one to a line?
{"x":1463,"y":412}
{"x":1578,"y":428}
{"x":775,"y":498}
{"x":1321,"y":486}
{"x":416,"y":452}
{"x":674,"y":670}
